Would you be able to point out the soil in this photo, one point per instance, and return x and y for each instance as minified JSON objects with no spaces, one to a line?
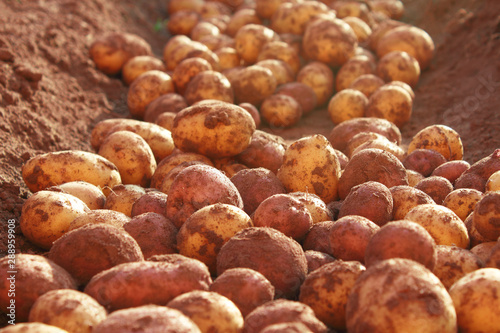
{"x":51,"y":94}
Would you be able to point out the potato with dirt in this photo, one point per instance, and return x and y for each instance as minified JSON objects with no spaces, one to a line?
{"x":283,"y":52}
{"x":392,"y":103}
{"x":399,"y":66}
{"x":252,"y":84}
{"x":405,"y":197}
{"x":453,"y":263}
{"x":347,"y":104}
{"x":106,"y":216}
{"x":303,"y":93}
{"x":151,"y":202}
{"x":209,"y":85}
{"x":352,"y":69}
{"x":441,"y":138}
{"x":122,"y":198}
{"x":186,"y":70}
{"x":250,"y":39}
{"x":424,"y":161}
{"x":280,"y":111}
{"x":293,"y":17}
{"x":436,"y":187}
{"x":90,"y":194}
{"x":265,"y":151}
{"x":486,"y":218}
{"x":138,"y":65}
{"x":320,"y":78}
{"x":32,"y":328}
{"x":477,"y":175}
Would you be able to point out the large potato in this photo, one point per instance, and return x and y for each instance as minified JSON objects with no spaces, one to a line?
{"x":441,"y":138}
{"x":55,"y":168}
{"x":47,"y":215}
{"x":453,"y":263}
{"x":311,"y":165}
{"x":214,"y":129}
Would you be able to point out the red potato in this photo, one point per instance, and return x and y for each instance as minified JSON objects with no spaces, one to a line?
{"x":477,"y":175}
{"x":424,"y":161}
{"x":172,"y":103}
{"x":436,"y":187}
{"x":302,"y":92}
{"x":265,"y":150}
{"x":451,"y":170}
{"x":151,"y":202}
{"x":318,"y":237}
{"x":316,"y":259}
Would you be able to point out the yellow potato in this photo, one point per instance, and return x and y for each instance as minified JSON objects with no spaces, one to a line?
{"x":384,"y":144}
{"x":55,"y":168}
{"x":253,"y":84}
{"x":132,"y":156}
{"x":250,"y":39}
{"x":441,"y":138}
{"x":462,"y":201}
{"x":361,"y":29}
{"x":280,"y":111}
{"x":281,"y":70}
{"x":266,"y":8}
{"x":186,"y":70}
{"x":405,"y":198}
{"x":209,"y":85}
{"x":178,"y":48}
{"x":202,"y":29}
{"x":414,"y":177}
{"x":476,"y":297}
{"x":107,"y":216}
{"x":347,"y":104}
{"x":352,"y":69}
{"x":166,"y":120}
{"x":280,"y":50}
{"x":442,"y":223}
{"x":493,"y":182}
{"x":182,"y":22}
{"x":320,"y":78}
{"x":487,"y":216}
{"x":453,"y":263}
{"x":361,"y":138}
{"x":311,"y":165}
{"x":240,"y":18}
{"x":316,"y":207}
{"x":90,"y":194}
{"x":47,"y":215}
{"x":295,"y":17}
{"x":392,"y":103}
{"x":138,"y":65}
{"x":399,"y":66}
{"x":228,"y":58}
{"x":123,"y":197}
{"x":367,"y":84}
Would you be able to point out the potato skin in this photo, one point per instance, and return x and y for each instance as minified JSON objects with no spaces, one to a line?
{"x":209,"y":85}
{"x":318,"y":238}
{"x":280,"y":111}
{"x":440,"y":138}
{"x":487,"y":216}
{"x":405,"y":197}
{"x":43,"y":171}
{"x":436,"y":187}
{"x":112,"y":217}
{"x":90,"y":194}
{"x":123,"y":197}
{"x":253,"y":84}
{"x":265,"y":150}
{"x":213,"y":129}
{"x":453,"y":263}
{"x":347,"y":104}
{"x":392,"y":103}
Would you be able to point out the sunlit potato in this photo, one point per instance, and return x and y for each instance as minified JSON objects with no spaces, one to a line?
{"x":250,"y":39}
{"x":399,"y":66}
{"x":440,"y":138}
{"x":352,"y":69}
{"x":186,"y":70}
{"x":391,"y":103}
{"x":320,"y":78}
{"x":209,"y":85}
{"x":280,"y":111}
{"x":347,"y":104}
{"x":182,"y":22}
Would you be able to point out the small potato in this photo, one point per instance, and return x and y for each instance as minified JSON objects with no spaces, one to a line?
{"x":281,"y":111}
{"x":424,"y":161}
{"x":134,"y":284}
{"x":406,"y":197}
{"x":401,"y":295}
{"x":32,"y":328}
{"x":151,"y":202}
{"x":316,"y":259}
{"x":35,"y":275}
{"x":253,"y":84}
{"x":371,"y":164}
{"x":228,"y":58}
{"x":347,"y":104}
{"x":483,"y":250}
{"x":132,"y":156}
{"x":302,"y":92}
{"x":68,"y":309}
{"x":210,"y":311}
{"x":462,"y":201}
{"x":436,"y":187}
{"x":361,"y":29}
{"x":399,"y":66}
{"x":493,"y":182}
{"x":442,"y":223}
{"x":359,"y":139}
{"x":266,"y":8}
{"x":279,"y":50}
{"x":110,"y":52}
{"x":451,"y":170}
{"x":90,"y":194}
{"x":204,"y":28}
{"x":327,"y":288}
{"x":392,"y":9}
{"x":367,"y":84}
{"x":311,"y":165}
{"x":331,"y":41}
{"x":316,"y":207}
{"x":477,"y":175}
{"x":177,"y":5}
{"x":284,"y":213}
{"x":123,"y":197}
{"x":392,"y":103}
{"x":138,"y":65}
{"x":172,"y":102}
{"x":320,"y":78}
{"x":245,"y":287}
{"x":150,"y":318}
{"x":414,"y":177}
{"x":476,"y":297}
{"x":283,"y":311}
{"x":43,"y":171}
{"x":384,"y":144}
{"x":147,"y":87}
{"x":487,"y":216}
{"x":402,"y":239}
{"x":265,"y":150}
{"x":215,"y":129}
{"x":295,"y":17}
{"x":208,"y":229}
{"x":440,"y":138}
{"x":370,"y":199}
{"x":351,"y":70}
{"x":291,"y":327}
{"x":250,"y":39}
{"x":177,"y":49}
{"x":46,"y":216}
{"x":281,"y":70}
{"x":318,"y":238}
{"x":240,"y":18}
{"x":186,"y":70}
{"x":349,"y":237}
{"x":154,"y":233}
{"x":182,"y":22}
{"x":453,"y":263}
{"x":254,"y":112}
{"x":106,"y":216}
{"x":209,"y":85}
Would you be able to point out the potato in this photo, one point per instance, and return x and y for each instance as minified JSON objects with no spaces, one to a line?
{"x":171,"y":102}
{"x":414,"y":177}
{"x":486,"y":216}
{"x":45,"y":170}
{"x":474,"y":236}
{"x":402,"y":239}
{"x":250,"y":39}
{"x":132,"y":156}
{"x":292,"y":327}
{"x":361,"y":29}
{"x":166,"y":120}
{"x":280,"y":111}
{"x":284,"y":213}
{"x":208,"y":229}
{"x":178,"y":48}
{"x":147,"y":87}
{"x":265,"y":150}
{"x":483,"y":250}
{"x":123,"y":197}
{"x":370,"y":199}
{"x":146,"y":282}
{"x":240,"y":18}
{"x":47,"y":215}
{"x":105,"y":216}
{"x":228,"y":58}
{"x":182,"y":22}
{"x":215,"y":43}
{"x":347,"y":104}
{"x":415,"y":41}
{"x":204,"y":28}
{"x":295,"y":17}
{"x":245,"y":287}
{"x":316,"y":259}
{"x":462,"y":201}
{"x":150,"y":318}
{"x":318,"y":238}
{"x":367,"y":84}
{"x":209,"y":85}
{"x":371,"y":164}
{"x":405,"y":197}
{"x":210,"y":311}
{"x":424,"y":161}
{"x":440,"y":138}
{"x":138,"y":65}
{"x":397,"y":295}
{"x":351,"y":70}
{"x":329,"y":40}
{"x":90,"y":194}
{"x":391,"y":9}
{"x":311,"y":165}
{"x":442,"y":223}
{"x":350,"y":8}
{"x":215,"y":129}
{"x":359,"y":139}
{"x":399,"y":66}
{"x":392,"y":103}
{"x":168,"y":179}
{"x":150,"y":202}
{"x":186,"y":70}
{"x":68,"y":309}
{"x":278,"y":257}
{"x":302,"y":92}
{"x":327,"y":288}
{"x":436,"y":187}
{"x":282,"y":311}
{"x":320,"y":78}
{"x":476,"y":297}
{"x":198,"y":186}
{"x":279,"y":50}
{"x":177,"y":5}
{"x":451,"y":170}
{"x":34,"y":276}
{"x":453,"y":263}
{"x":266,"y":8}
{"x":32,"y":328}
{"x":281,"y":70}
{"x":493,"y":259}
{"x":253,"y":84}
{"x":343,"y":133}
{"x":493,"y":182}
{"x":254,"y":112}
{"x":349,"y":236}
{"x":384,"y":144}
{"x":477,"y":175}
{"x":111,"y":51}
{"x":316,"y":207}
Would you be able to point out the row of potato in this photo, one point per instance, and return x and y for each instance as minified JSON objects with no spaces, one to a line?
{"x":195,"y":220}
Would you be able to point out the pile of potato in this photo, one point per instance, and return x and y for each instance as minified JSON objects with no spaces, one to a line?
{"x":189,"y":218}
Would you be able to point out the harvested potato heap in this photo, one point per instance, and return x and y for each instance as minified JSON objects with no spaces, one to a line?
{"x":190,"y":217}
